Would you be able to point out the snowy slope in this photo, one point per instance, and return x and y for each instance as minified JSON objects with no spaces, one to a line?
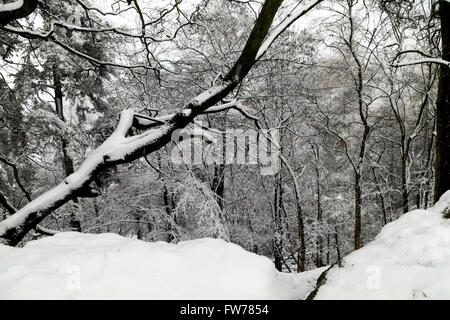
{"x":108,"y":266}
{"x":409,"y":259}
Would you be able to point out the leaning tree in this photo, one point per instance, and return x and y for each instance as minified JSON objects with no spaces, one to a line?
{"x":122,"y":146}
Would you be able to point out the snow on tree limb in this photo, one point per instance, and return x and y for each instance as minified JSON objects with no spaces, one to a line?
{"x":46,"y":231}
{"x":422,"y":61}
{"x":16,"y":10}
{"x":120,"y":148}
{"x":426,"y":59}
{"x":240,"y":107}
{"x":286,"y":23}
{"x":11,"y":6}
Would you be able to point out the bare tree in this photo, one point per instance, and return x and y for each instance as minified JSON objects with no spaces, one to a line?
{"x":121,"y":147}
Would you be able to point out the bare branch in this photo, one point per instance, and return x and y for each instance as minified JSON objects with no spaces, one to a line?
{"x":16,"y":10}
{"x":287,"y":22}
{"x":427,"y":59}
{"x":120,"y":148}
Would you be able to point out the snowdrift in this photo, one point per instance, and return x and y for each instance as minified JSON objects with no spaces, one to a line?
{"x":409,"y":259}
{"x":108,"y":266}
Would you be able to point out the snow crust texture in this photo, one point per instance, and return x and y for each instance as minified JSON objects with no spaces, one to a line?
{"x":409,"y":259}
{"x":107,"y":266}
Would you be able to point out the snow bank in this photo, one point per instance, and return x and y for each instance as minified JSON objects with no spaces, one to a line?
{"x":108,"y":266}
{"x":409,"y":259}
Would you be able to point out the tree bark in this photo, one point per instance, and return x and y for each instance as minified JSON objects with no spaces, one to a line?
{"x":357,"y":235}
{"x":278,"y":223}
{"x":336,"y":239}
{"x":75,"y":223}
{"x":380,"y":197}
{"x":405,"y":192}
{"x":6,"y":204}
{"x":319,"y":261}
{"x":442,"y":164}
{"x":119,"y":148}
{"x":218,"y":183}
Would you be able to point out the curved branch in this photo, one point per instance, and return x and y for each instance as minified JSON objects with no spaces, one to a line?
{"x":287,"y":22}
{"x":16,"y":177}
{"x":426,"y":59}
{"x":16,"y":10}
{"x":119,"y":148}
{"x":50,"y":36}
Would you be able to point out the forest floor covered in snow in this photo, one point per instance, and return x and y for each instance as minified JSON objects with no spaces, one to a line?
{"x":108,"y":266}
{"x":410,"y":259}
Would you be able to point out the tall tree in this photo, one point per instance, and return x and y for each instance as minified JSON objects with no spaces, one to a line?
{"x":442,"y":165}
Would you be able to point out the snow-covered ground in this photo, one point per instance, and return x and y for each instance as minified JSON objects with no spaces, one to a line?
{"x":108,"y":266}
{"x":409,"y":259}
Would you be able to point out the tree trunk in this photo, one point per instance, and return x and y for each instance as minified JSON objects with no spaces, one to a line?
{"x":319,"y":262}
{"x":278,"y":223}
{"x":111,"y":151}
{"x":405,"y":192}
{"x":442,"y":164}
{"x":75,"y":224}
{"x":218,"y":183}
{"x":357,"y":236}
{"x":301,"y":234}
{"x":301,"y":262}
{"x":328,"y":249}
{"x":380,"y":197}
{"x":168,"y":208}
{"x":336,"y":239}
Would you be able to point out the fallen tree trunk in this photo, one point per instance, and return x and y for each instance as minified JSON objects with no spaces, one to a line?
{"x":121,"y":148}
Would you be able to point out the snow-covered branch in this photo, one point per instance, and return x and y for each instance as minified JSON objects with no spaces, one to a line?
{"x":121,"y":148}
{"x":16,"y":10}
{"x":49,"y":35}
{"x":44,"y":35}
{"x":426,"y":59}
{"x":286,"y":23}
{"x":46,"y":231}
{"x":422,"y":61}
{"x":237,"y":105}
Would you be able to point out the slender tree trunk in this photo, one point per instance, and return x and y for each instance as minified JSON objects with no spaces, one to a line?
{"x":168,"y":208}
{"x":380,"y":197}
{"x":218,"y":183}
{"x":363,"y":114}
{"x":357,"y":235}
{"x":278,"y":223}
{"x":336,"y":239}
{"x":405,"y":192}
{"x":168,"y":203}
{"x":442,"y":164}
{"x":301,"y":234}
{"x":75,"y":224}
{"x":301,"y":265}
{"x":328,"y":249}
{"x":319,"y":262}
